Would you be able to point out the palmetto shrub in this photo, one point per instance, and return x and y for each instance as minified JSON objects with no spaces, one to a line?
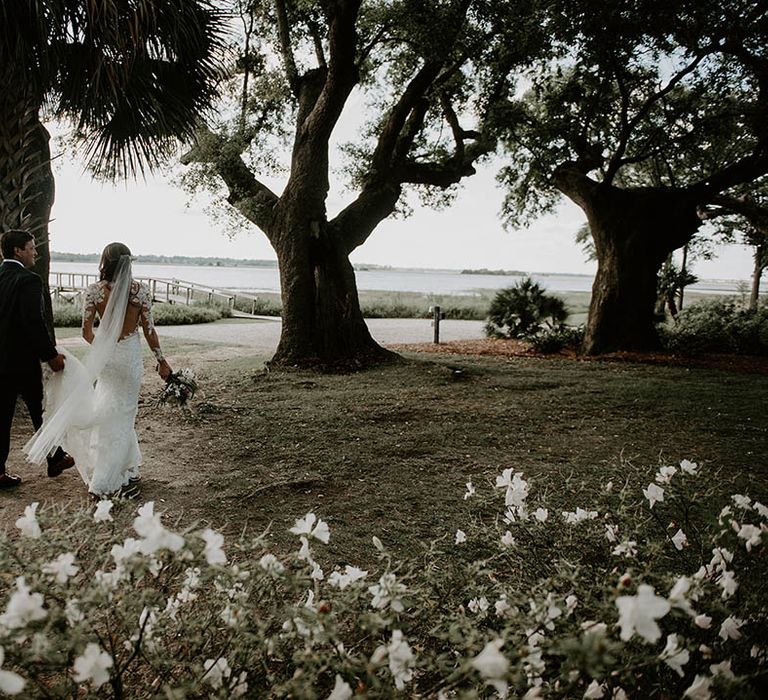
{"x":523,"y":311}
{"x":628,"y":595}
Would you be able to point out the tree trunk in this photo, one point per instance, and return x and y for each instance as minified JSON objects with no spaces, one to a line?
{"x":757,"y":272}
{"x":323,"y":325}
{"x":26,"y":179}
{"x":634,"y":232}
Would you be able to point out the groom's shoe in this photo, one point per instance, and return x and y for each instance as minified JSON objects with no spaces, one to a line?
{"x":59,"y":462}
{"x":9,"y":481}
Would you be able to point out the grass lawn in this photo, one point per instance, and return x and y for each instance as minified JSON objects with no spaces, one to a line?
{"x":388,"y":451}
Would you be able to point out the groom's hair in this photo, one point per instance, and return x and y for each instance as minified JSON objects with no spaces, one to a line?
{"x":15,"y":238}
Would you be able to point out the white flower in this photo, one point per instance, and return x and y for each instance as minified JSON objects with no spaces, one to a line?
{"x":750,"y":534}
{"x":679,"y":540}
{"x":611,"y":532}
{"x":387,"y":592}
{"x":92,"y":666}
{"x":478,"y":605}
{"x":741,"y":501}
{"x":674,"y":656}
{"x":722,"y":669}
{"x":638,"y":614}
{"x":102,"y":514}
{"x":579,"y":516}
{"x":341,"y":690}
{"x":271,"y":564}
{"x":28,"y":524}
{"x":571,"y":602}
{"x":307,"y":526}
{"x":62,"y":567}
{"x":350,"y":575}
{"x":23,"y":607}
{"x":401,"y":659}
{"x":461,"y":536}
{"x":154,"y":536}
{"x":121,"y":552}
{"x":730,"y":628}
{"x":493,"y":666}
{"x":699,"y":689}
{"x":73,"y":613}
{"x":609,"y":487}
{"x":541,"y":514}
{"x":703,"y":621}
{"x":10,"y":683}
{"x":316,"y":573}
{"x":517,"y":488}
{"x":216,"y":672}
{"x":627,"y":549}
{"x":377,"y":543}
{"x":727,"y":581}
{"x":678,"y":595}
{"x":654,"y":493}
{"x":214,"y":554}
{"x":594,"y":690}
{"x":761,"y":509}
{"x":665,"y":474}
{"x":239,"y":686}
{"x":470,"y":491}
{"x":688,"y":467}
{"x":507,"y":540}
{"x":503,"y":608}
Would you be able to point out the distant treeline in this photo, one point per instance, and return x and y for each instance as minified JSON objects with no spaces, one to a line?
{"x":486,"y":271}
{"x":187,"y":260}
{"x":168,"y":260}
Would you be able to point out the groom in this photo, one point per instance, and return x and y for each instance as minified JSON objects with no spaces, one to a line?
{"x":24,"y":343}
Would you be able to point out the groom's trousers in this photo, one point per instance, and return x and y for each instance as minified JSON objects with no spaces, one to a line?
{"x":29,"y":385}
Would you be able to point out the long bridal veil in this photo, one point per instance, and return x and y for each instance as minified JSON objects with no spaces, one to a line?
{"x":70,"y":414}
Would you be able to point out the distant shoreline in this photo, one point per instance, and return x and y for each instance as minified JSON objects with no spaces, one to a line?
{"x":185,"y":260}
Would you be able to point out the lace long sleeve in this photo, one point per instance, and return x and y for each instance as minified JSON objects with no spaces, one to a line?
{"x":94,"y":294}
{"x":144,"y":298}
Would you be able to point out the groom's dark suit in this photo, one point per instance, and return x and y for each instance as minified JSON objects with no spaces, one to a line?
{"x":24,"y":343}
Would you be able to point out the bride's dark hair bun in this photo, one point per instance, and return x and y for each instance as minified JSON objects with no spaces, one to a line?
{"x":110,"y":256}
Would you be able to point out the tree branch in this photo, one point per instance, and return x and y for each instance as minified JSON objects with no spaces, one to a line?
{"x":284,"y":34}
{"x":615,"y":162}
{"x":252,"y":198}
{"x":573,"y":182}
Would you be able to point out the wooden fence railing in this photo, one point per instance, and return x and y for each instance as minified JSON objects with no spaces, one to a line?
{"x":173,"y":291}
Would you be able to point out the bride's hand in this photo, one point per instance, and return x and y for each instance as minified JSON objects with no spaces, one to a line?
{"x":164,"y":370}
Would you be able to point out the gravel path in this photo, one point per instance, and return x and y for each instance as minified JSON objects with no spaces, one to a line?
{"x":263,"y":336}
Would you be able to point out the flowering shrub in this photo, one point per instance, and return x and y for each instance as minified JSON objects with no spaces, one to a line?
{"x":631,"y":595}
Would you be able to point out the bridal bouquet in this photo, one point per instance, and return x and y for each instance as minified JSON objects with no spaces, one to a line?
{"x":179,"y":388}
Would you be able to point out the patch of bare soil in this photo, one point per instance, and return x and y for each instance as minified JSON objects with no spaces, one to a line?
{"x":750,"y":364}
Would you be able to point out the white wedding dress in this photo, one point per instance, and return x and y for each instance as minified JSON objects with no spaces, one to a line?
{"x":91,"y":406}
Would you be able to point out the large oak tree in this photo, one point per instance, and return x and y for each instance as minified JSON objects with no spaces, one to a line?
{"x":299,"y":66}
{"x":653,"y":110}
{"x":133,"y":77}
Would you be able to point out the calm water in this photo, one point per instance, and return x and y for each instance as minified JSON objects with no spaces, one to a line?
{"x":261,"y":279}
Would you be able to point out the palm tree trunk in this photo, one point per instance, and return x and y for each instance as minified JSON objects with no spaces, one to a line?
{"x":26,"y":180}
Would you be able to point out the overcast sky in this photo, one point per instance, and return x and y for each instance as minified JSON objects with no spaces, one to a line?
{"x":156,"y":217}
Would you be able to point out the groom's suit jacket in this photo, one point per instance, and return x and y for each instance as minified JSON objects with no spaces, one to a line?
{"x":24,"y":338}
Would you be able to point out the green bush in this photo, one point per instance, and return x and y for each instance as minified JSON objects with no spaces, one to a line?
{"x":555,"y":339}
{"x":523,"y":311}
{"x":181,"y":315}
{"x":262,"y":306}
{"x":534,"y":596}
{"x":720,"y":325}
{"x":67,"y":314}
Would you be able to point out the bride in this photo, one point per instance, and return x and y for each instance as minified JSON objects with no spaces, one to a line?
{"x":95,"y":422}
